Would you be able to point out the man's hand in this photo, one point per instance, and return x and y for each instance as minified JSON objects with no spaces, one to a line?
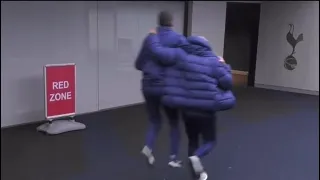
{"x":153,"y":31}
{"x":221,"y":59}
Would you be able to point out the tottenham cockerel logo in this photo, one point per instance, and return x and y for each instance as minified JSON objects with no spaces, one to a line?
{"x":290,"y":62}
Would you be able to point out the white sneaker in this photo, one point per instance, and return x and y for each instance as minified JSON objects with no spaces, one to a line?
{"x":175,"y":164}
{"x":147,"y":152}
{"x":196,"y":164}
{"x":203,"y":176}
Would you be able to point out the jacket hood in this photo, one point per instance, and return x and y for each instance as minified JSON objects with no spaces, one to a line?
{"x":199,"y":46}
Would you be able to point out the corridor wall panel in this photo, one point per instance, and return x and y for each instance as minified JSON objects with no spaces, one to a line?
{"x":102,"y":38}
{"x":36,"y":33}
{"x":274,"y":46}
{"x":208,"y":20}
{"x":122,"y":26}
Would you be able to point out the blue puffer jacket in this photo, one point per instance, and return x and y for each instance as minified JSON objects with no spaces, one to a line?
{"x":151,"y":66}
{"x":197,"y":80}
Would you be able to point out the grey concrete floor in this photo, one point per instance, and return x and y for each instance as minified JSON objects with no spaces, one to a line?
{"x":270,"y":135}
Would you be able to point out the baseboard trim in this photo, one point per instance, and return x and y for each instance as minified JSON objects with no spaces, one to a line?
{"x":244,"y":73}
{"x":287,"y":89}
{"x":77,"y":115}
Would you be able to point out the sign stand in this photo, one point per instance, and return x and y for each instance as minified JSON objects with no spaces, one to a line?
{"x":60,"y":99}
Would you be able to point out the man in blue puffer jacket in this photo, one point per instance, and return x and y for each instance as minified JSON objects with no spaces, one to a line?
{"x":199,"y":83}
{"x":152,"y":69}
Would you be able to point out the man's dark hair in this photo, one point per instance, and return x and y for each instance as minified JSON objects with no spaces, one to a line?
{"x":165,"y":18}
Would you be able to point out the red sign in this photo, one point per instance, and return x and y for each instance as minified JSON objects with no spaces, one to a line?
{"x":60,"y":90}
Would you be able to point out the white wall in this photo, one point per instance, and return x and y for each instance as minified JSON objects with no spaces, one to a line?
{"x":92,"y":34}
{"x":122,"y":26}
{"x":34,"y":34}
{"x":209,"y":19}
{"x":273,"y":47}
{"x":103,"y":43}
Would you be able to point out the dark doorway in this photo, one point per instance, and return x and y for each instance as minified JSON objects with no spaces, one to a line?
{"x":241,"y":40}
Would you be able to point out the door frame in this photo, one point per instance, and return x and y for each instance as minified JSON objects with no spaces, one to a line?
{"x":250,"y":74}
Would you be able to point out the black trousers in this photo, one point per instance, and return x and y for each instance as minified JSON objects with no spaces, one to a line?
{"x":200,"y":127}
{"x":153,"y":105}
